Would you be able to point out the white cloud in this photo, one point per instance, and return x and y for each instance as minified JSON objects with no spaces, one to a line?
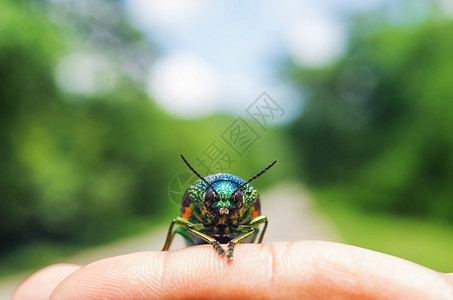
{"x":447,"y":8}
{"x":165,"y":13}
{"x":315,"y":41}
{"x":184,"y":85}
{"x":85,"y":74}
{"x":233,"y":49}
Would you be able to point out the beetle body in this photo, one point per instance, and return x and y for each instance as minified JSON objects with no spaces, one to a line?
{"x":217,"y":209}
{"x":224,"y":215}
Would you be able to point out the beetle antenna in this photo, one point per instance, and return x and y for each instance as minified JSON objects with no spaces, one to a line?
{"x":256,"y":176}
{"x":198,"y":175}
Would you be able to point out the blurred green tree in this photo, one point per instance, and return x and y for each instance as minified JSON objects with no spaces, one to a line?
{"x":74,"y":165}
{"x":377,"y":124}
{"x":79,"y":160}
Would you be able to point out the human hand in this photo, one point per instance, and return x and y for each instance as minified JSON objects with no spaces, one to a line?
{"x":301,"y":270}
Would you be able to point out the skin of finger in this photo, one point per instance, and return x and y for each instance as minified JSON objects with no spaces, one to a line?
{"x":302,"y":270}
{"x":41,"y":284}
{"x":450,"y":277}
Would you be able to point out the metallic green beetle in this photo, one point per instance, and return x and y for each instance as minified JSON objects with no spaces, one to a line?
{"x":217,"y":209}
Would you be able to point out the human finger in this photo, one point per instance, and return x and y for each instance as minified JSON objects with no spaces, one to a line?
{"x":450,"y":277}
{"x":41,"y":284}
{"x":309,"y":269}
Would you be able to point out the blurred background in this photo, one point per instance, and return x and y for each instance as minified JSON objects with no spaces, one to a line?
{"x":98,"y":98}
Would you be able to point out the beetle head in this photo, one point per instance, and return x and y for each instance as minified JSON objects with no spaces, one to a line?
{"x":223,"y":203}
{"x":223,"y":199}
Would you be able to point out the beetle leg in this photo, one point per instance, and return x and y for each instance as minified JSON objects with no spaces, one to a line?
{"x":239,"y":239}
{"x":213,"y":242}
{"x":260,"y":220}
{"x":253,"y":224}
{"x":182,"y":222}
{"x":193,"y":228}
{"x":170,"y":235}
{"x":252,"y":227}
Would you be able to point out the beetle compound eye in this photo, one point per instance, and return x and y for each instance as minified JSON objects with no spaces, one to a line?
{"x":209,"y":198}
{"x":237,"y":198}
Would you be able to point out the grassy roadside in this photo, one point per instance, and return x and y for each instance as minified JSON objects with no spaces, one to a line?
{"x":426,"y":242}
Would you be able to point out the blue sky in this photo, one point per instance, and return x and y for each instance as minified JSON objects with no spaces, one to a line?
{"x":221,"y":55}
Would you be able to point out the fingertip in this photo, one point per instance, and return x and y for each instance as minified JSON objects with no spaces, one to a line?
{"x":41,"y":284}
{"x":129,"y":276}
{"x":310,"y":269}
{"x":449,"y":277}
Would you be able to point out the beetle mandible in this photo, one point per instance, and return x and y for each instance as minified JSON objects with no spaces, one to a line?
{"x":218,"y":209}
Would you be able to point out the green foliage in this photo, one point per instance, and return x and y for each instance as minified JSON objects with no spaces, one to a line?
{"x":76,"y":168}
{"x":376,"y":125}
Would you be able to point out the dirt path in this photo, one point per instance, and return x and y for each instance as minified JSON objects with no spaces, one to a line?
{"x":291,"y":215}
